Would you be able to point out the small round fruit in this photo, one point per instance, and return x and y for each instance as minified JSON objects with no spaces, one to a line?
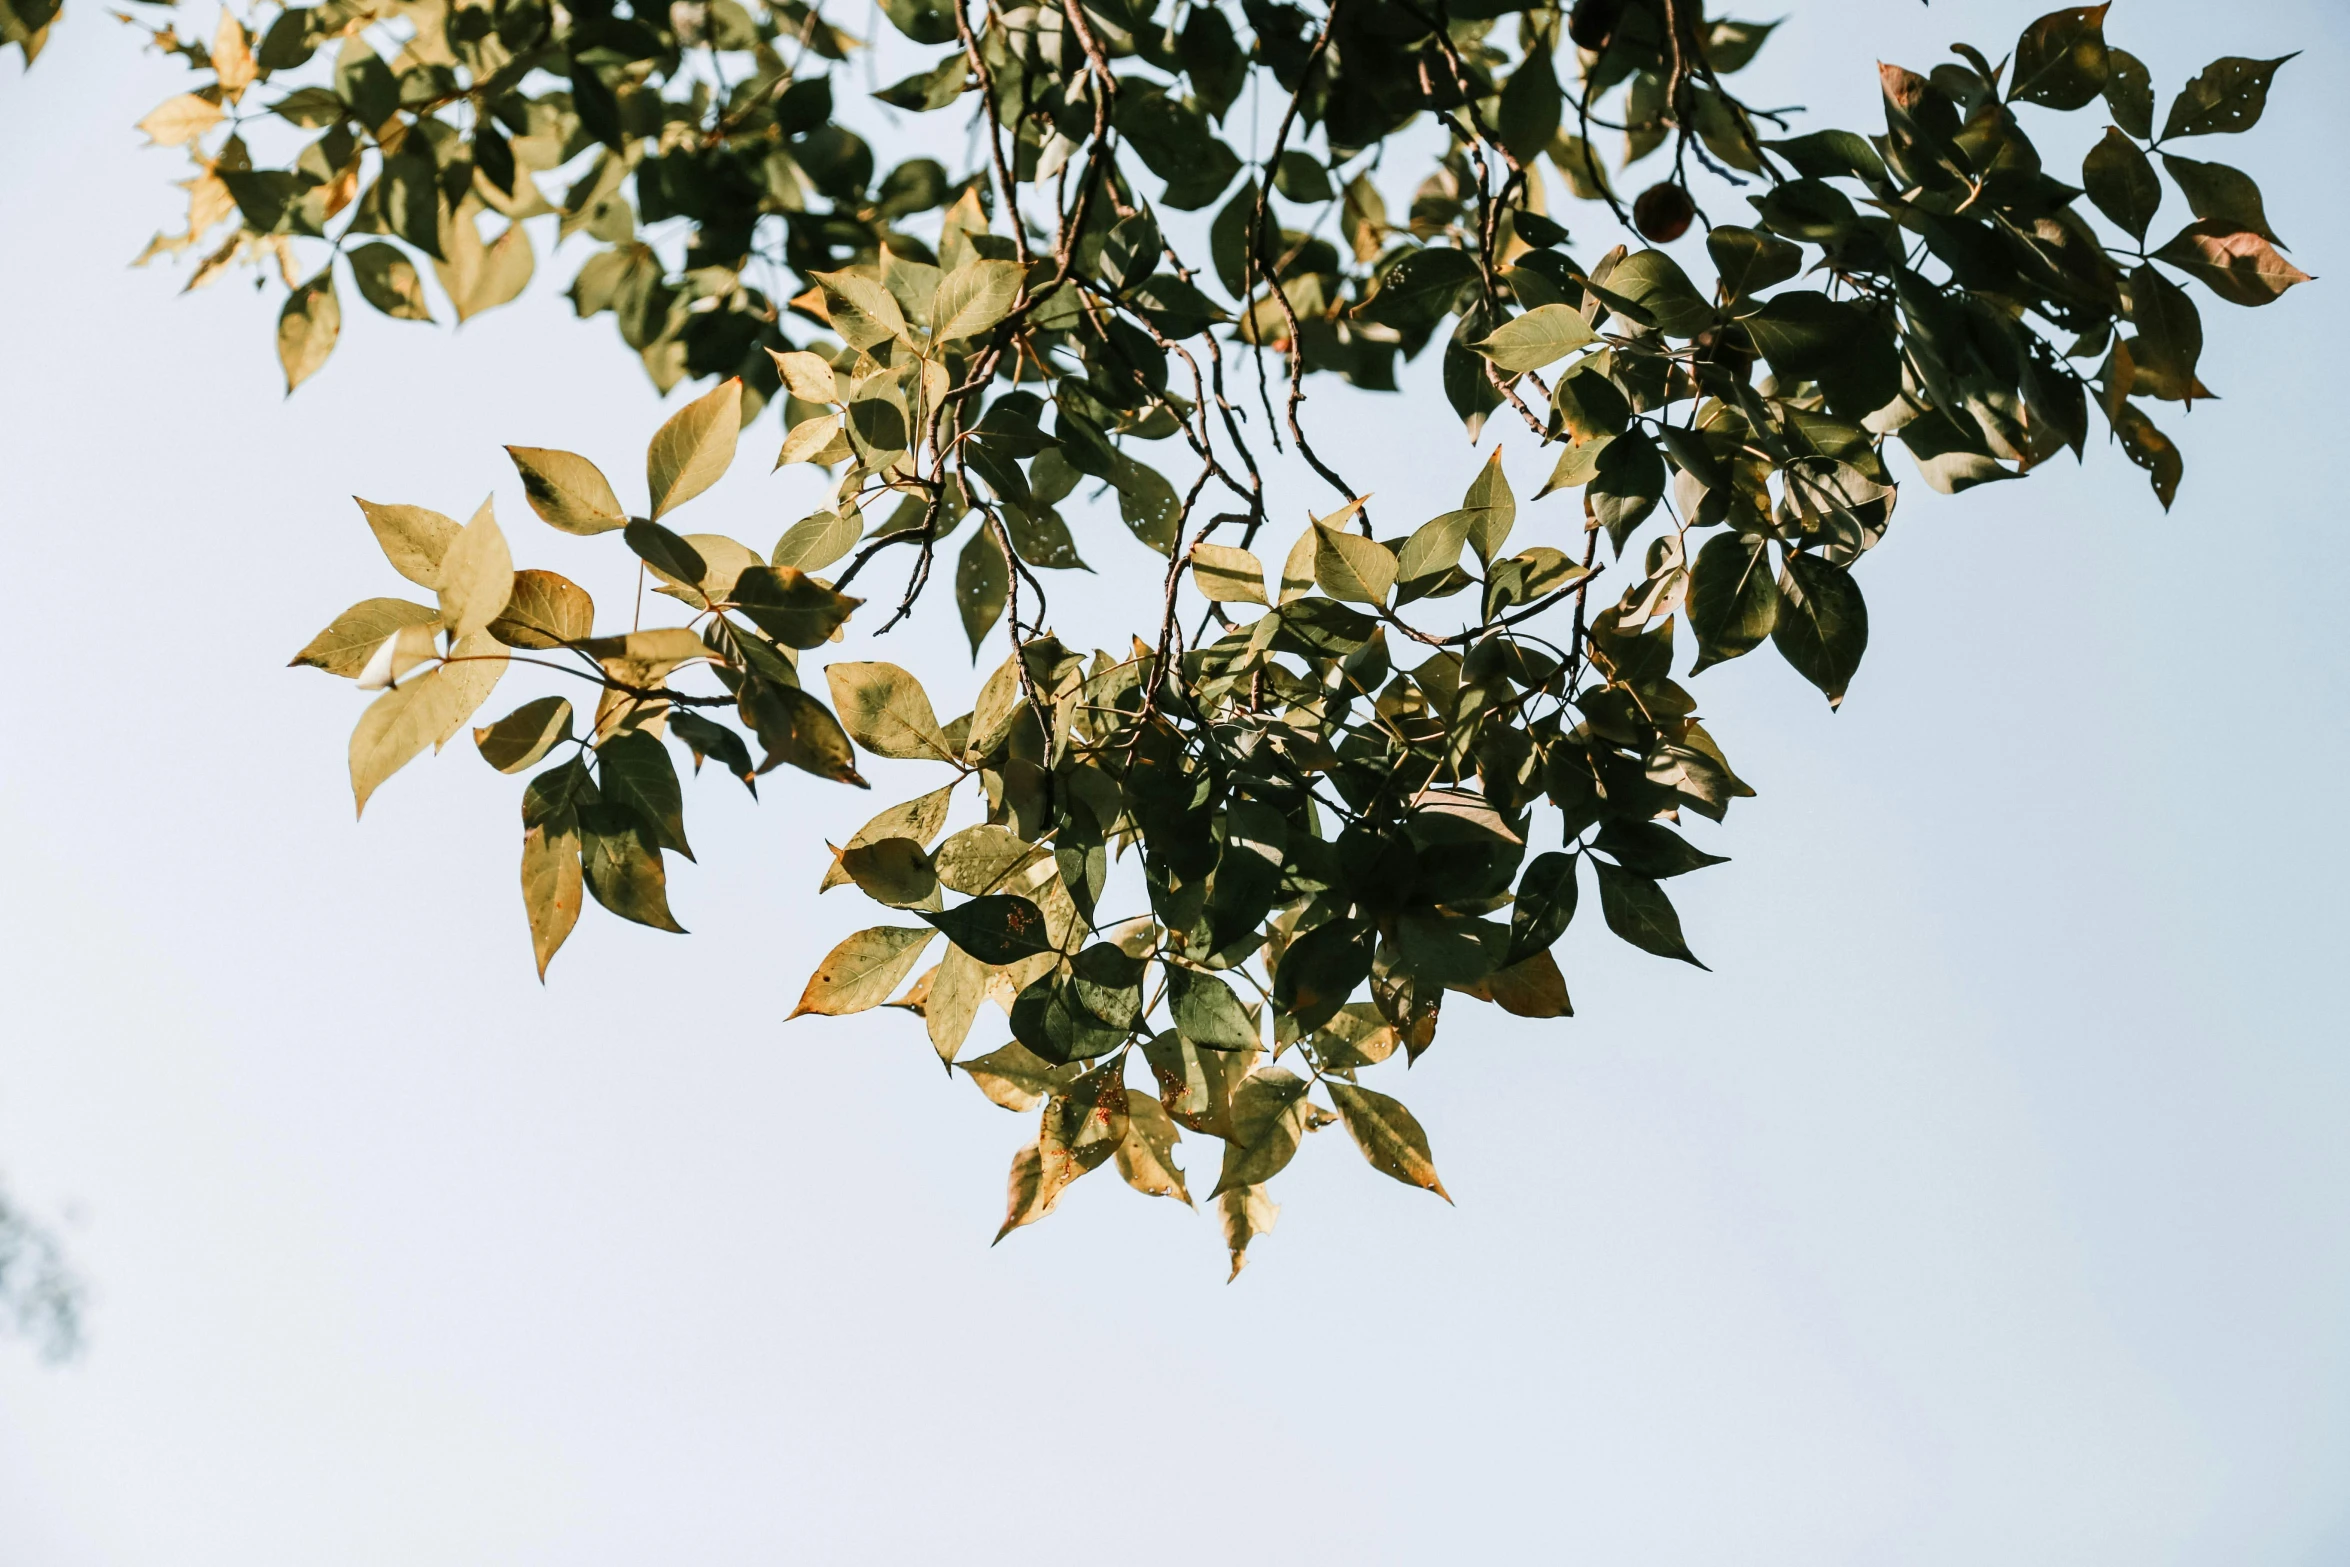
{"x":1662,"y":214}
{"x":1593,"y":22}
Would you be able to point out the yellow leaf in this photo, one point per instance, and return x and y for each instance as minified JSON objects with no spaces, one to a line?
{"x":861,"y":972}
{"x":808,"y":376}
{"x":307,"y":328}
{"x":567,"y":491}
{"x":477,"y":575}
{"x":232,"y":57}
{"x":1245,"y":1212}
{"x":345,"y":647}
{"x":179,"y":120}
{"x":413,"y":539}
{"x":398,"y":725}
{"x":817,"y":440}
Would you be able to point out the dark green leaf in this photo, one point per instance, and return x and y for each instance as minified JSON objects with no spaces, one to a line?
{"x":1544,"y":907}
{"x":996,"y":929}
{"x":1637,"y":909}
{"x":2122,"y":182}
{"x":1823,"y":626}
{"x":2227,"y":95}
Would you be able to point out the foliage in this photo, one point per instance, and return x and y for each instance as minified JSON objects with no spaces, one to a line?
{"x":1334,"y":780}
{"x":39,"y":1298}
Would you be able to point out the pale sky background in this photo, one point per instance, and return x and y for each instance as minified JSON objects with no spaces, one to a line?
{"x":1990,"y":1201}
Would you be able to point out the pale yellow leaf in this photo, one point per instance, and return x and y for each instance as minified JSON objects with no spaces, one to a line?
{"x":477,"y":575}
{"x":179,"y":120}
{"x":692,"y":450}
{"x":413,"y":539}
{"x":425,"y":711}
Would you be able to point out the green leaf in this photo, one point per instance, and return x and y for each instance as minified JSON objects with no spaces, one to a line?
{"x":1627,"y":482}
{"x":1208,"y":1013}
{"x":476,"y":575}
{"x":665,"y":552}
{"x":2221,"y":195}
{"x":1195,"y":1085}
{"x":388,"y":280}
{"x":885,"y":710}
{"x":2237,"y":264}
{"x":1653,"y":850}
{"x":1492,"y":509}
{"x":344,"y":647}
{"x":714,"y":740}
{"x":1300,"y":177}
{"x":1807,"y":336}
{"x":861,"y":310}
{"x":816,"y":541}
{"x":1429,"y":556}
{"x":1441,"y":949}
{"x":1539,"y":337}
{"x":622,"y":866}
{"x":981,"y":859}
{"x":1226,"y":575}
{"x":860,"y":973}
{"x":920,"y":819}
{"x":974,"y":297}
{"x":1545,"y":906}
{"x":1321,"y":969}
{"x":1351,"y":567}
{"x":1655,"y":283}
{"x":1637,"y":909}
{"x":894,"y":871}
{"x":634,"y":770}
{"x":525,"y":735}
{"x":2122,"y":182}
{"x":1084,"y":1014}
{"x":691,"y":451}
{"x":2226,"y":96}
{"x":567,"y":491}
{"x":544,"y":610}
{"x":2151,"y":450}
{"x":1269,"y":1111}
{"x":424,"y":711}
{"x":794,"y":728}
{"x":1422,"y":285}
{"x":1147,"y":503}
{"x":307,"y":328}
{"x":1528,"y":115}
{"x":982,"y":587}
{"x":413,"y":539}
{"x":2129,"y":93}
{"x":794,"y":608}
{"x":1750,"y":261}
{"x":1389,"y":1136}
{"x":1823,"y":625}
{"x":997,"y":929}
{"x":2060,"y":60}
{"x":1733,"y":602}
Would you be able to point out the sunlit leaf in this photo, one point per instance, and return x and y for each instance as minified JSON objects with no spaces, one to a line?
{"x":860,"y":973}
{"x":691,"y":451}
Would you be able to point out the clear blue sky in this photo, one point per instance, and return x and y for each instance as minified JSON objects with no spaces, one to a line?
{"x":1990,"y":1201}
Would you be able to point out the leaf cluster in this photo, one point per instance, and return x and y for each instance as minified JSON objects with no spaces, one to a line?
{"x":1341,"y":780}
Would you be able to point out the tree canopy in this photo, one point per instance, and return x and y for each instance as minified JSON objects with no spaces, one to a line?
{"x":1341,"y":772}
